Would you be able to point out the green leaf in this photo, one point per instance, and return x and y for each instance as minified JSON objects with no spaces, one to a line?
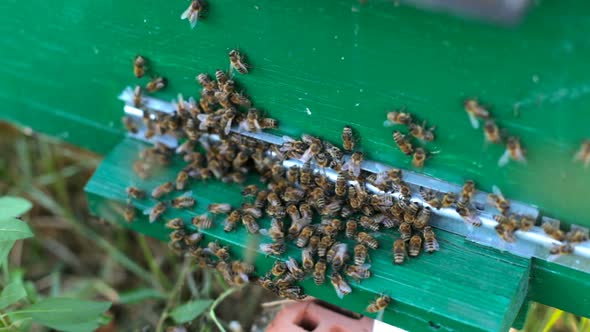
{"x":14,"y":229}
{"x":189,"y":311}
{"x":13,"y":206}
{"x":5,"y":247}
{"x":12,"y":293}
{"x":140,"y":294}
{"x":66,"y":314}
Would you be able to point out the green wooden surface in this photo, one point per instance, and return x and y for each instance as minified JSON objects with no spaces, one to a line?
{"x":63,"y":62}
{"x":347,"y":63}
{"x":461,"y":288}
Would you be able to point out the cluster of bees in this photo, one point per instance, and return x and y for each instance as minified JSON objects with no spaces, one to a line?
{"x":492,"y":133}
{"x":323,"y":218}
{"x":418,"y":131}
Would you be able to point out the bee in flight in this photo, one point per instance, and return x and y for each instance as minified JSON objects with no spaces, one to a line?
{"x":583,"y":153}
{"x":192,"y":13}
{"x":514,"y":151}
{"x":474,"y":111}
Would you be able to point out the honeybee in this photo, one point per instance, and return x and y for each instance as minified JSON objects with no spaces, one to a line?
{"x":506,"y":227}
{"x":340,"y":286}
{"x":269,"y":123}
{"x":368,"y":223}
{"x":221,"y":77}
{"x":157,"y":211}
{"x":577,"y":234}
{"x":304,"y":236}
{"x":313,"y":150}
{"x":177,"y":235}
{"x":419,"y":158}
{"x":156,"y":84}
{"x":317,"y":198}
{"x":448,"y":199}
{"x":220,"y":252}
{"x":184,"y":201}
{"x":162,"y":189}
{"x":421,"y":133}
{"x":275,"y":248}
{"x":513,"y":151}
{"x":267,"y":283}
{"x":583,"y":153}
{"x":404,"y":145}
{"x":526,"y":223}
{"x":430,"y":197}
{"x":240,"y":99}
{"x":341,"y":185}
{"x":333,"y":151}
{"x":423,"y":218}
{"x":405,"y":231}
{"x":130,"y":125}
{"x":139,"y":66}
{"x":295,"y":269}
{"x":411,"y":212}
{"x":314,"y":243}
{"x":353,"y":165}
{"x":358,"y":272}
{"x":564,"y":249}
{"x":305,"y":174}
{"x":379,"y":304}
{"x":319,"y":272}
{"x":237,"y":62}
{"x":360,"y":254}
{"x":367,"y":240}
{"x":467,"y":214}
{"x":398,"y":117}
{"x":430,"y":242}
{"x":501,"y":203}
{"x":181,"y":180}
{"x":348,"y":142}
{"x":129,"y":212}
{"x":491,"y":132}
{"x":307,"y":259}
{"x":202,"y":221}
{"x":351,"y":228}
{"x":217,"y":208}
{"x":475,"y":110}
{"x":176,"y":223}
{"x":250,"y":223}
{"x":415,"y":245}
{"x":138,"y":102}
{"x":192,"y":13}
{"x":292,"y":174}
{"x":468,"y":190}
{"x":337,"y":255}
{"x":225,"y":270}
{"x":193,"y":239}
{"x":279,"y":268}
{"x":135,"y":192}
{"x":292,"y":292}
{"x":205,"y":81}
{"x":325,"y":243}
{"x":551,"y":228}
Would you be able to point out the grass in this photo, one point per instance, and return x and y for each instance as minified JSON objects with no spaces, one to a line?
{"x":74,"y":254}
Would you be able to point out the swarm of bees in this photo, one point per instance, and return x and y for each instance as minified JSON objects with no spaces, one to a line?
{"x":403,"y":141}
{"x":335,"y":224}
